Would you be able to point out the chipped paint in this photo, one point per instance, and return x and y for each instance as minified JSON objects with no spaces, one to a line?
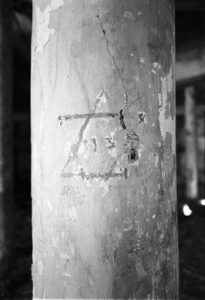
{"x":167,"y":123}
{"x":129,"y":15}
{"x":44,"y":31}
{"x":156,"y":65}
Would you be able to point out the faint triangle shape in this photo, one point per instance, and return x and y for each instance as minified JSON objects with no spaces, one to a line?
{"x":103,"y":104}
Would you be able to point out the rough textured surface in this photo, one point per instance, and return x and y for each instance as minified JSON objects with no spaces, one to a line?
{"x":103,"y":153}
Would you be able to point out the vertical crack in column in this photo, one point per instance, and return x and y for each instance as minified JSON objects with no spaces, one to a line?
{"x":112,"y":57}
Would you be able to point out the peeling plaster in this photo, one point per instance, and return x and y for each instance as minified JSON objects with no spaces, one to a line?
{"x":167,"y":124}
{"x":156,"y":65}
{"x":129,"y":15}
{"x":43,"y":20}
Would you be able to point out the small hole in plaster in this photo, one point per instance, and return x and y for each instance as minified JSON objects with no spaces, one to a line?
{"x":132,"y":157}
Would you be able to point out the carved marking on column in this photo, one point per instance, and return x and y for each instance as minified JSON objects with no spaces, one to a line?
{"x":75,"y":147}
{"x":84,"y":116}
{"x":117,"y":168}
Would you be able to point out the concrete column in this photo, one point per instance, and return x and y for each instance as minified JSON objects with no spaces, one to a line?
{"x":191,"y":144}
{"x":103,"y":150}
{"x":5,"y":124}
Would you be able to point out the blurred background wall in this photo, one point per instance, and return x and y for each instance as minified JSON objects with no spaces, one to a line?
{"x":15,"y":267}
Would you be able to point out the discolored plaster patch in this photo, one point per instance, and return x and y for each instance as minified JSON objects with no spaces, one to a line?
{"x":129,"y":15}
{"x":166,"y":121}
{"x":43,"y":21}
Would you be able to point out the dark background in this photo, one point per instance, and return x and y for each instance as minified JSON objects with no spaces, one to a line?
{"x":15,"y":272}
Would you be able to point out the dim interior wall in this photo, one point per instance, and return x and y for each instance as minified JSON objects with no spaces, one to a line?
{"x":103,"y":150}
{"x":181,"y":139}
{"x":6,"y":166}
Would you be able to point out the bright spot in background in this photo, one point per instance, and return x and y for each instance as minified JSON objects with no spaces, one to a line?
{"x":186,"y":210}
{"x":202,"y":202}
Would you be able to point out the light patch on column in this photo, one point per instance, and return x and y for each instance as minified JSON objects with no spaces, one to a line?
{"x":40,"y":267}
{"x":43,"y":20}
{"x":129,"y":15}
{"x":167,"y":124}
{"x":72,"y":213}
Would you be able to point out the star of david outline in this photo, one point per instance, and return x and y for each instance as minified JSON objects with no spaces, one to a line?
{"x":76,"y":146}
